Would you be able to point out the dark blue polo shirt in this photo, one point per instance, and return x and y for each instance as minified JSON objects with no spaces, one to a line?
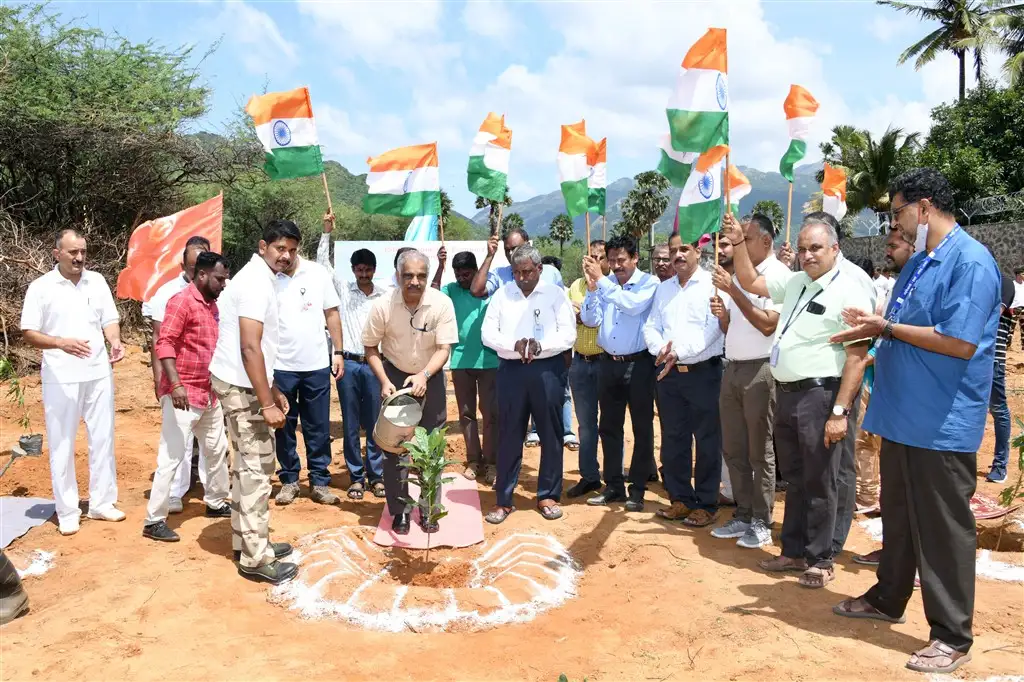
{"x":925,"y":399}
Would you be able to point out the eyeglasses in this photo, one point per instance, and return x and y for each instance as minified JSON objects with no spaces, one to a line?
{"x":662,"y":260}
{"x":411,"y":324}
{"x":895,"y":213}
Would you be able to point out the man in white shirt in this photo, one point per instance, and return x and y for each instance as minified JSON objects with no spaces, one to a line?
{"x":154,"y":310}
{"x":881,"y":283}
{"x":687,"y":341}
{"x":530,"y":324}
{"x":241,"y":375}
{"x":358,"y":387}
{"x":747,"y":402}
{"x":304,"y":370}
{"x":69,"y":314}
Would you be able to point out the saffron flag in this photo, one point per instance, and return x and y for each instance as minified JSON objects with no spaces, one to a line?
{"x":285,"y":126}
{"x":597,"y":177}
{"x":698,"y":110}
{"x":833,"y":192}
{"x":573,"y":170}
{"x":800,"y":107}
{"x":489,"y":159}
{"x":404,"y":181}
{"x":156,"y":246}
{"x":739,"y":187}
{"x":700,"y":203}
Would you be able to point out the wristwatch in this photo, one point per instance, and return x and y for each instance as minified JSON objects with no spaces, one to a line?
{"x":840,"y":411}
{"x":339,"y":352}
{"x":426,"y":374}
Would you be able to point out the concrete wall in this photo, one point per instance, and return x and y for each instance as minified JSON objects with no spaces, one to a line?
{"x":1006,"y":240}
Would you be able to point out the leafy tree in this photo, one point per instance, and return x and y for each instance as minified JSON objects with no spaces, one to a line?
{"x":772,"y":209}
{"x":492,"y":218}
{"x":644,"y":204}
{"x":1011,"y":29}
{"x":561,"y":230}
{"x":870,"y":164}
{"x":511,"y":222}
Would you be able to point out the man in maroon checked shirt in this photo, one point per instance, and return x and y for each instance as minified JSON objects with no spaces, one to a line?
{"x":188,"y":337}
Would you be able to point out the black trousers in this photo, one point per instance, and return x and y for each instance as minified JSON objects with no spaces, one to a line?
{"x":469,"y":384}
{"x":846,"y":481}
{"x":622,"y":384}
{"x":689,"y":411}
{"x":435,"y":414}
{"x":811,"y":470}
{"x":929,"y":528}
{"x":534,"y":389}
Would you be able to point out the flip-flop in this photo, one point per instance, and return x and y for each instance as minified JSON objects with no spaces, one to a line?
{"x":937,"y":650}
{"x":572,"y":445}
{"x":355,"y":491}
{"x":550,"y":512}
{"x":498,"y":515}
{"x":843,"y":609}
{"x":378,"y":490}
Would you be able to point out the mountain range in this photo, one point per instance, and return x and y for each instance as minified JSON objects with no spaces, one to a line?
{"x":537,"y":212}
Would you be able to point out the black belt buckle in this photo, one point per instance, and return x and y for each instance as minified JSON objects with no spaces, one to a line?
{"x":361,"y":359}
{"x":588,"y":358}
{"x":624,"y":358}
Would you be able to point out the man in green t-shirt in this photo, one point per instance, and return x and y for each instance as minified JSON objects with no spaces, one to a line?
{"x":473,"y":370}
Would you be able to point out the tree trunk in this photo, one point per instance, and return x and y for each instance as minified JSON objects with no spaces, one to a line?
{"x":962,"y":55}
{"x":561,"y":248}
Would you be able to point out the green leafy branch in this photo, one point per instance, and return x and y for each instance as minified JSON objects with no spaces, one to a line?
{"x":426,"y":465}
{"x":15,"y":391}
{"x":1013,"y":493}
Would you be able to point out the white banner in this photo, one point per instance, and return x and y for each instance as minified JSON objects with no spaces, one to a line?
{"x":385,"y":253}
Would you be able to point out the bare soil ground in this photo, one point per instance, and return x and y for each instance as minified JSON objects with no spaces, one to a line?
{"x":656,"y":601}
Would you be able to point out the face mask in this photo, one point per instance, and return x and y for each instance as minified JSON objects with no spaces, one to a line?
{"x":921,"y":240}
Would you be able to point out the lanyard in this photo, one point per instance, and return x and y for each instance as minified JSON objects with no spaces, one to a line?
{"x":911,"y":285}
{"x":796,"y":313}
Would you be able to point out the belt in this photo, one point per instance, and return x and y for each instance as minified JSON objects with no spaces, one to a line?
{"x":627,"y":358}
{"x":752,"y":361}
{"x":807,"y":384}
{"x":588,"y":358}
{"x":354,"y":357}
{"x":710,"y":362}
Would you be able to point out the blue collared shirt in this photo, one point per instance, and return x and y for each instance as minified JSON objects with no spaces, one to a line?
{"x":925,"y":399}
{"x":499,"y":277}
{"x":620,"y":312}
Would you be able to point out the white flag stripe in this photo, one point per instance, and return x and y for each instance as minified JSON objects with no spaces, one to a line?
{"x":737,"y":193}
{"x":480,"y":142}
{"x":697,"y":90}
{"x":681,"y":157}
{"x":692,"y":194}
{"x":425,"y":179}
{"x":834,"y":206}
{"x":799,"y":127}
{"x":496,"y":158}
{"x":599,"y":178}
{"x":572,"y":167}
{"x":291,"y":132}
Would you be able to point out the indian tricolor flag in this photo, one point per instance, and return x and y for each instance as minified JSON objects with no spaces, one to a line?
{"x":698,"y":111}
{"x":800,"y":108}
{"x":573,"y":168}
{"x":739,"y":187}
{"x":833,"y":192}
{"x":675,"y":166}
{"x":488,"y":159}
{"x":404,"y":181}
{"x":597,"y":179}
{"x":285,"y":126}
{"x":700,"y":203}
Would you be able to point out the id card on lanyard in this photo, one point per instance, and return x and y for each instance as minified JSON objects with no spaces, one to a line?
{"x":773,"y":359}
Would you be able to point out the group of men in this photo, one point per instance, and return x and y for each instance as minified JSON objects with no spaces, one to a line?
{"x":752,"y":362}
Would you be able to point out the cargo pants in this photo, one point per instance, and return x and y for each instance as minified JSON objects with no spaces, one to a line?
{"x":252,"y":464}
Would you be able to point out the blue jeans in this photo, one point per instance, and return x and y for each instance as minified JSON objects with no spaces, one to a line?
{"x":583,"y":380}
{"x":1000,"y":417}
{"x":309,"y":397}
{"x":360,"y":405}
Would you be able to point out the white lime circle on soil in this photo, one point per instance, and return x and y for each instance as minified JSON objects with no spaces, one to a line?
{"x":344,"y":576}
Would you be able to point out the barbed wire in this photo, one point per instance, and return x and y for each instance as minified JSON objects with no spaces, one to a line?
{"x":1002,"y":203}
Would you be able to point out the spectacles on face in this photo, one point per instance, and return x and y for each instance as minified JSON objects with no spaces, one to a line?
{"x":662,"y":259}
{"x":895,"y":213}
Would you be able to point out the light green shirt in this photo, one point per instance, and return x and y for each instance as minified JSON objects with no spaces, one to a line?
{"x":802,"y":337}
{"x":469,"y":352}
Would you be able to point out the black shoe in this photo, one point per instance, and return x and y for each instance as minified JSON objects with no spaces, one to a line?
{"x":281,"y":550}
{"x":159,"y":531}
{"x":607,"y":497}
{"x":653,"y":478}
{"x":582,"y":488}
{"x":222,"y":513}
{"x":274,"y":573}
{"x":635,"y":503}
{"x":400,"y":525}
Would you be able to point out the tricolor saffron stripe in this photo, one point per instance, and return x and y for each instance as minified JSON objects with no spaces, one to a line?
{"x":800,"y":107}
{"x":675,"y":166}
{"x":739,"y":187}
{"x":597,"y":180}
{"x":833,"y":192}
{"x":489,"y":158}
{"x":285,"y":126}
{"x":700,"y":204}
{"x":404,"y":181}
{"x":573,"y":170}
{"x":698,"y":111}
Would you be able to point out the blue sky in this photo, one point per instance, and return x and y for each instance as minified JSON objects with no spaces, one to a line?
{"x":387,"y":74}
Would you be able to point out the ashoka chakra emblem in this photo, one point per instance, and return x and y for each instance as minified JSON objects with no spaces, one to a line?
{"x":706,"y":185}
{"x":722,"y":92}
{"x":282,"y":133}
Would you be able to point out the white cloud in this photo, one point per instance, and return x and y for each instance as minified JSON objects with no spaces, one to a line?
{"x":257,"y":38}
{"x":886,"y":26}
{"x":490,"y":19}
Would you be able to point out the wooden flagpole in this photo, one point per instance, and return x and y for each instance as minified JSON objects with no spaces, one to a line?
{"x":604,"y":228}
{"x":789,"y":210}
{"x":327,"y":192}
{"x":588,"y":229}
{"x":440,"y":226}
{"x":497,"y":224}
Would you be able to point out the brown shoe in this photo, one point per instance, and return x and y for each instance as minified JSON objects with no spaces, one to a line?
{"x":780,"y":564}
{"x":677,"y":512}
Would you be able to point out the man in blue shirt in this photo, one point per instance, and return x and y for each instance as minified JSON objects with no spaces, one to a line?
{"x":619,"y":305}
{"x":933,"y":373}
{"x":485,"y":283}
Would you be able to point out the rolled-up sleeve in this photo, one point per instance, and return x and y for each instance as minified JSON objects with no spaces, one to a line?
{"x":376,"y":323}
{"x":966,"y":306}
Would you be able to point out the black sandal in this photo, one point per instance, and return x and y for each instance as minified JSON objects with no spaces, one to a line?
{"x":378,"y":490}
{"x":355,"y":491}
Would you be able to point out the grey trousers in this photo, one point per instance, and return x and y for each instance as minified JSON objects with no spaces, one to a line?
{"x":747,"y":408}
{"x":929,"y":527}
{"x":471,"y":384}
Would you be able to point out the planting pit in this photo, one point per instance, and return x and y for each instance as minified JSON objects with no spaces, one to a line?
{"x":343,"y":575}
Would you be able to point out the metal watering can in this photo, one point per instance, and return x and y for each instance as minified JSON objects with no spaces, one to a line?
{"x":400,"y":414}
{"x":28,"y":446}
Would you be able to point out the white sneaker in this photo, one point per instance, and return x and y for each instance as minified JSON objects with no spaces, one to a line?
{"x":109,"y":514}
{"x":733,"y":529}
{"x":175,"y":506}
{"x":757,"y":536}
{"x":69,"y":525}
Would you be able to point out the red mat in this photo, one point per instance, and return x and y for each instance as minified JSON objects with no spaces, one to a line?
{"x":985,"y":507}
{"x":464,"y":525}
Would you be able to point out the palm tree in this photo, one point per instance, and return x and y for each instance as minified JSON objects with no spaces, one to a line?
{"x":1011,"y":29}
{"x":492,"y":218}
{"x":561,"y":231}
{"x":964,"y":25}
{"x":512,"y":221}
{"x":870,"y":164}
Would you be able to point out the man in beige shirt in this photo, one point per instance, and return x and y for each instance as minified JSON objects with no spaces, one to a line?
{"x":414,"y":327}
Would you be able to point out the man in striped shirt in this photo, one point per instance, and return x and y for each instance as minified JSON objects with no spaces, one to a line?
{"x":997,"y":406}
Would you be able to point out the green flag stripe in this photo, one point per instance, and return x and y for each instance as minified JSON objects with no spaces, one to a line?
{"x":576,"y":197}
{"x":293,"y":162}
{"x":797,"y":150}
{"x":596,"y":201}
{"x":409,"y":204}
{"x":677,"y":173}
{"x":697,"y":131}
{"x":696,"y":220}
{"x":486,"y":182}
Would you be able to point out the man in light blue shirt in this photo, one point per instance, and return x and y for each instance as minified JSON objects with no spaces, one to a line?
{"x":619,"y":305}
{"x":485,"y":283}
{"x":933,"y":374}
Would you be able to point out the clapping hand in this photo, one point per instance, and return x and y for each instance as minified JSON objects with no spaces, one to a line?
{"x":592,"y":270}
{"x":863,"y":325}
{"x":668,"y":357}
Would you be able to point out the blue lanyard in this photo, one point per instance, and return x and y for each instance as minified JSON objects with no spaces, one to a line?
{"x":911,"y":285}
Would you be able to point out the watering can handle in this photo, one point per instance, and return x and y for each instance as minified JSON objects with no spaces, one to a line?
{"x":405,"y":391}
